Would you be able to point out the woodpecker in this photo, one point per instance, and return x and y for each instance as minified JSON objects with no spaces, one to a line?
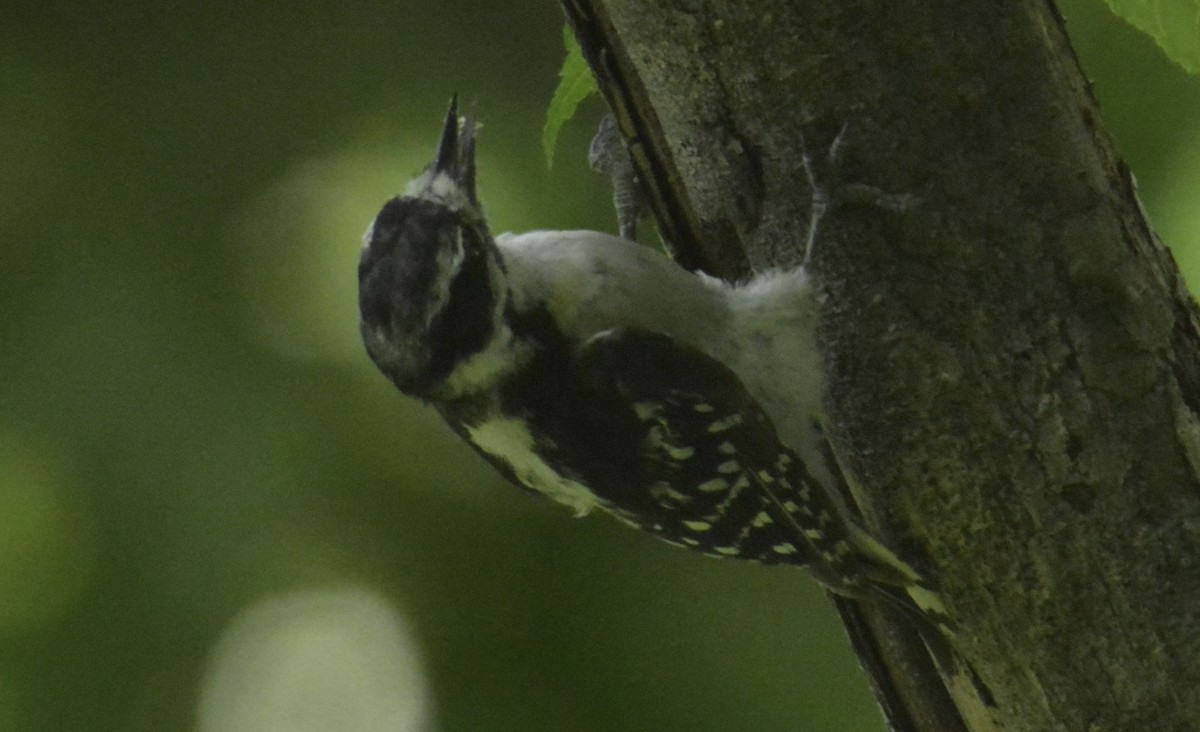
{"x":599,"y":373}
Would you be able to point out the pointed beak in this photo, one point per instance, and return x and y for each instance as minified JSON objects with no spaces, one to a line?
{"x":456,"y":150}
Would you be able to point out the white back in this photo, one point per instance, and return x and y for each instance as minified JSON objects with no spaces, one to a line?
{"x":762,"y":330}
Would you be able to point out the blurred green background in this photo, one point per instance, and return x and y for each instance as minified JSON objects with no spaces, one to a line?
{"x":214,"y":514}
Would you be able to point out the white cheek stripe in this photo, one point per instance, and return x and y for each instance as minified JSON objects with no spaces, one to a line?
{"x":500,"y":357}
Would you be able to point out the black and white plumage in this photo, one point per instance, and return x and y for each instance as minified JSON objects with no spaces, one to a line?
{"x":599,"y":373}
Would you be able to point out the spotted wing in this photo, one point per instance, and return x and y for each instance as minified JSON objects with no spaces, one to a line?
{"x":720,"y":480}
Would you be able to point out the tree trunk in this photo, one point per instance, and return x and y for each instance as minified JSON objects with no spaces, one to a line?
{"x":1012,"y":362}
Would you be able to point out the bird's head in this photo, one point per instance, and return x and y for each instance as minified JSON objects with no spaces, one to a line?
{"x":431,"y":284}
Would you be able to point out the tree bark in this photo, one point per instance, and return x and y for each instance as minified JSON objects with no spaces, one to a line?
{"x":1013,"y":362}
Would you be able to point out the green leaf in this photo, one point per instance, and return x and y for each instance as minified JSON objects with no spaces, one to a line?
{"x":575,"y":83}
{"x":1174,"y":24}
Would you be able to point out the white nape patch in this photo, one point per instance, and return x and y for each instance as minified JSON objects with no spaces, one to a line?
{"x":510,"y":440}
